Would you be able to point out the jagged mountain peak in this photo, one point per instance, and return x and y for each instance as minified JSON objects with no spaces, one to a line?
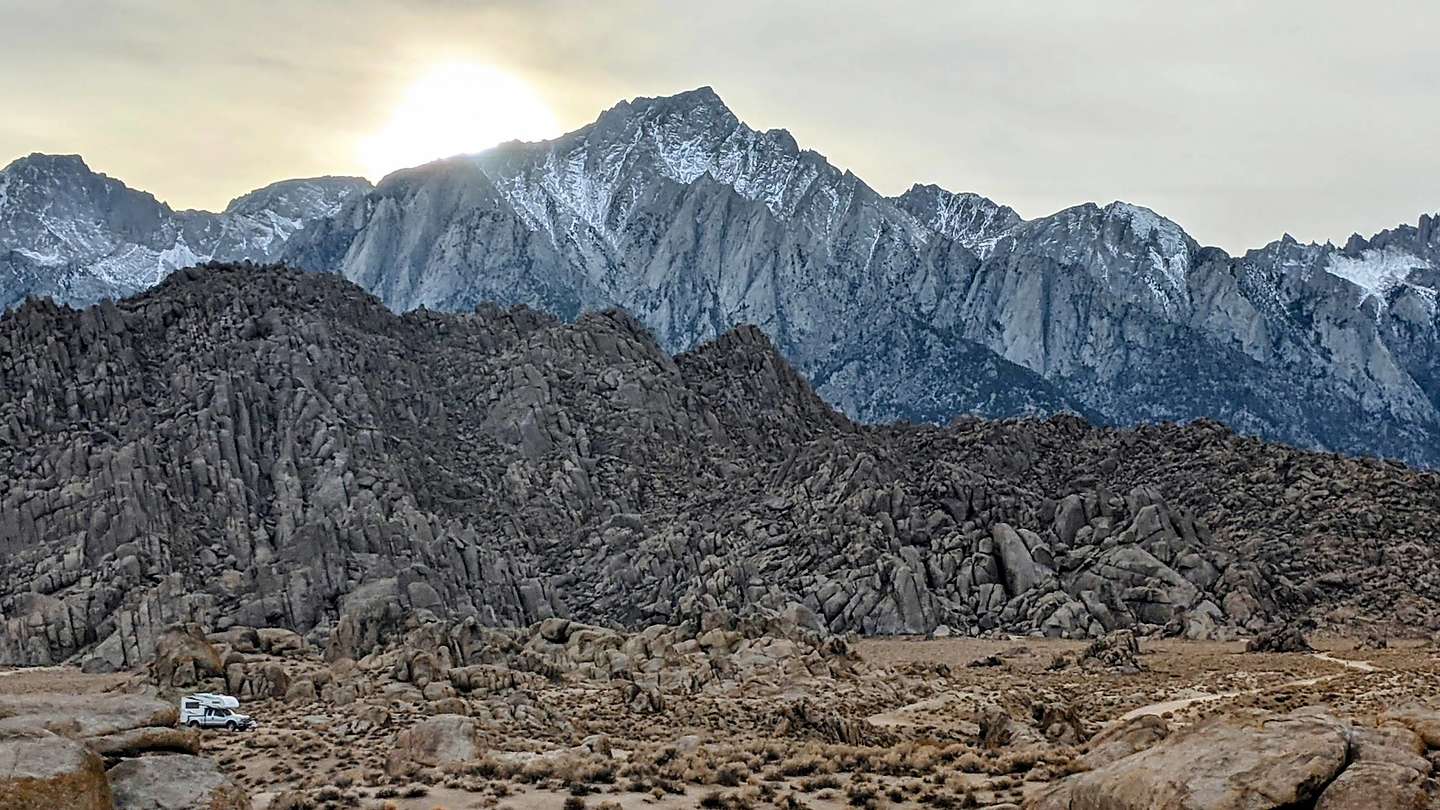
{"x":48,"y":174}
{"x":700,"y":108}
{"x":585,"y":185}
{"x":46,"y":163}
{"x":1152,"y":228}
{"x":80,"y":235}
{"x":311,"y":195}
{"x":1404,"y":258}
{"x":974,"y":221}
{"x":1145,"y":220}
{"x":702,"y":98}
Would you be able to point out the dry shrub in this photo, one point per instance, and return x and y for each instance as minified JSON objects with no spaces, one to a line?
{"x":826,"y":781}
{"x":970,"y":762}
{"x":571,"y":770}
{"x":732,"y":774}
{"x":489,"y":767}
{"x":715,"y":800}
{"x":804,"y":765}
{"x":292,"y":800}
{"x":860,"y":794}
{"x":1016,"y":761}
{"x":791,"y":802}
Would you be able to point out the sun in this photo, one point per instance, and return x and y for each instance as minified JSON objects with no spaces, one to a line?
{"x":456,"y":108}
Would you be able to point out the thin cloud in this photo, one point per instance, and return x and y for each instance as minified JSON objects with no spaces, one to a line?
{"x":1241,"y":121}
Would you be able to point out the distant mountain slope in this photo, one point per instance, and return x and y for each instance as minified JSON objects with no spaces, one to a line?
{"x":245,"y":445}
{"x":78,"y":236}
{"x":924,"y":306}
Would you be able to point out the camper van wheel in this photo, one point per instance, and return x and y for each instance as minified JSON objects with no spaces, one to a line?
{"x":193,"y":724}
{"x":231,"y":725}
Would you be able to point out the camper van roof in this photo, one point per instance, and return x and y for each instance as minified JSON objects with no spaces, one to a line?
{"x":216,"y":701}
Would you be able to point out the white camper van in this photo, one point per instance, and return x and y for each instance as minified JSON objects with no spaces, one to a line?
{"x":205,"y":710}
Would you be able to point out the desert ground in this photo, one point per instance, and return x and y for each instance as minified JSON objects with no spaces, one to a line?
{"x":764,"y":721}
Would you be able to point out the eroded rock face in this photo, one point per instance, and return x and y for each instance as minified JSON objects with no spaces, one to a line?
{"x":174,"y":782}
{"x":259,"y":448}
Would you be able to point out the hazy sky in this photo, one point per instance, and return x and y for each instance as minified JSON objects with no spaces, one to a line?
{"x":1240,"y":120}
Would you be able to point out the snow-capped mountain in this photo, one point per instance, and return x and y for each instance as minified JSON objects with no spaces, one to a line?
{"x":74,"y":234}
{"x":972,"y":220}
{"x":923,"y":306}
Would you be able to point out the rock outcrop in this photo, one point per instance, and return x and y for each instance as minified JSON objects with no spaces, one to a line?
{"x":261,"y":448}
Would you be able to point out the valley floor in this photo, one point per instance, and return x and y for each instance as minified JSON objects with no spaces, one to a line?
{"x":938,"y":723}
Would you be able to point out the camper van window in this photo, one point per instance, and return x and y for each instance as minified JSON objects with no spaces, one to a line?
{"x":190,"y":704}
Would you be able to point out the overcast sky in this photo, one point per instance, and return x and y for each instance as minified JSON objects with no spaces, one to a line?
{"x":1240,"y":120}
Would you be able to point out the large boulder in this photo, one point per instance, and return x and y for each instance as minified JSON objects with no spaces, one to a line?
{"x":265,"y":679}
{"x":43,"y":771}
{"x":1423,"y":721}
{"x":280,"y":641}
{"x":175,"y":782}
{"x":184,"y":657}
{"x":1373,"y":785}
{"x":1244,"y":761}
{"x":445,"y":739}
{"x":1020,"y":569}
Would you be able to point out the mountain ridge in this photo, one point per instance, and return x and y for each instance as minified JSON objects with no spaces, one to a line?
{"x":923,"y":306}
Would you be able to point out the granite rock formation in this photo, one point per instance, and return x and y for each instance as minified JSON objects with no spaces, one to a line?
{"x":259,"y":447}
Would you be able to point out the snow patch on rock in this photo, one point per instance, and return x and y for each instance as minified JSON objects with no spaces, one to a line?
{"x":1375,"y":272}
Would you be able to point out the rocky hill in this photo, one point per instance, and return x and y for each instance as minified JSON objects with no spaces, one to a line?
{"x":255,"y":446}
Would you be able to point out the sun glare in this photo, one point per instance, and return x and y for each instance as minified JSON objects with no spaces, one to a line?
{"x":455,"y":109}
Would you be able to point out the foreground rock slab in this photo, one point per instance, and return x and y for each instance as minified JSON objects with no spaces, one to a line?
{"x":1367,"y":785}
{"x":85,"y":715}
{"x":43,"y":771}
{"x":1254,"y":761}
{"x":174,"y":782}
